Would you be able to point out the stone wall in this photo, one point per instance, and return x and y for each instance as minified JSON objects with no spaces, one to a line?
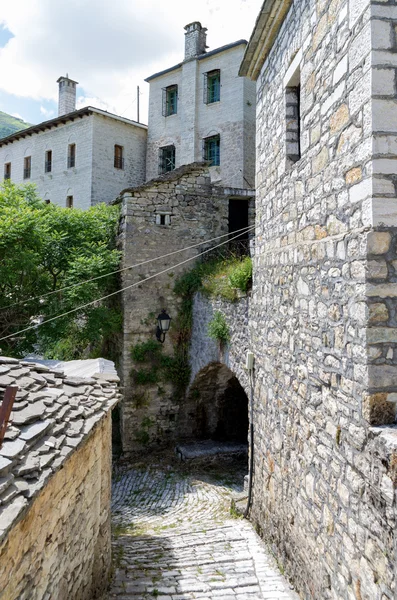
{"x":217,"y":372}
{"x":196,"y":212}
{"x":322,"y":319}
{"x":55,"y":476}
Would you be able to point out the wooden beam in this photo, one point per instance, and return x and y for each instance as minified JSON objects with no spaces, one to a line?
{"x":6,"y":408}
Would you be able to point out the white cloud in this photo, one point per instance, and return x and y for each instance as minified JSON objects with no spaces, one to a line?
{"x":17,"y":116}
{"x":47,"y":113}
{"x":109,"y":47}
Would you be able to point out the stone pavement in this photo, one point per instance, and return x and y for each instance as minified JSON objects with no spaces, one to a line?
{"x":174,"y":538}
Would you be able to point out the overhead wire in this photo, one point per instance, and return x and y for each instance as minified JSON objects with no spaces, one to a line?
{"x":137,"y":283}
{"x":80,"y":283}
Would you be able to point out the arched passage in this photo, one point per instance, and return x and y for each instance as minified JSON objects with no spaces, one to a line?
{"x":216,"y":407}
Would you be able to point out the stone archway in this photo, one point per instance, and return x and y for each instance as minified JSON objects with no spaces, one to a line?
{"x":216,"y":407}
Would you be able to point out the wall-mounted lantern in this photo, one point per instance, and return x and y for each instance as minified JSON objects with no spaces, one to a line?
{"x":163,"y":325}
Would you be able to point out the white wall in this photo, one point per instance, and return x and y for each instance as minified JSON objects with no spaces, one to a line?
{"x":61,"y":182}
{"x":233,"y":118}
{"x":107,"y":181}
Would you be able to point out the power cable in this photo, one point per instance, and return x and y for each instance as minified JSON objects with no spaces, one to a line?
{"x":69,"y":312}
{"x":74,"y":285}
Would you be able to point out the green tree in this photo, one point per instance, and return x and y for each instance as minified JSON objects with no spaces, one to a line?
{"x":44,"y":248}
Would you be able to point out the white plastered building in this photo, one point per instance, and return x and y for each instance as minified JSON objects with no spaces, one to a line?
{"x":201,"y":109}
{"x":80,"y":158}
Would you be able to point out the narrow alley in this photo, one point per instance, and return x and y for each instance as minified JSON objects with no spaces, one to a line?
{"x":175,"y":538}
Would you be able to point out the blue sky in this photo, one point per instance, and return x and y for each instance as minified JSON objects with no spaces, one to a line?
{"x":109,"y":48}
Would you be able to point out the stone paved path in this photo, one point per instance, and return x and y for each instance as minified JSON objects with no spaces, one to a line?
{"x":174,"y":538}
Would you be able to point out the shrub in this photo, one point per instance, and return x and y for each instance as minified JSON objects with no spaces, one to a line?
{"x":218,"y":329}
{"x":241,"y":274}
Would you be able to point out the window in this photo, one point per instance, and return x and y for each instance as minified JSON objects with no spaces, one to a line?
{"x":167,"y":159}
{"x":27,"y":165}
{"x":170,"y":100}
{"x":212,"y":86}
{"x":7,"y":171}
{"x":69,"y":201}
{"x":164,"y":219}
{"x":211,"y":150}
{"x":118,"y":157}
{"x":292,"y":83}
{"x":71,"y":156}
{"x":48,"y":162}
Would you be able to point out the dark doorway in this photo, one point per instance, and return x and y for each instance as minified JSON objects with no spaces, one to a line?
{"x":216,"y":407}
{"x":238,"y":217}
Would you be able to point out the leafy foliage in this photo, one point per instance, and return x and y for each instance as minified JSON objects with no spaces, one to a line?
{"x":43,"y":248}
{"x":218,"y":328}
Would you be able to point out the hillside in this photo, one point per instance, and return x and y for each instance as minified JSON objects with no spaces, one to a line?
{"x":9,"y":124}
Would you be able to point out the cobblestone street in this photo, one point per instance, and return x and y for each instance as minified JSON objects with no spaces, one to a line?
{"x":174,"y":538}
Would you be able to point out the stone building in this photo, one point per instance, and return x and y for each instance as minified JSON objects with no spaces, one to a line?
{"x":163,"y":218}
{"x":201,"y":110}
{"x":81,"y":157}
{"x":322,"y":318}
{"x":55,"y":479}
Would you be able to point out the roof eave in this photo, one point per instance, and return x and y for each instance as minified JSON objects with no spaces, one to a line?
{"x":267,"y":27}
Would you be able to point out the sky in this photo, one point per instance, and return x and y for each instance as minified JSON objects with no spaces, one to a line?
{"x":109,"y":47}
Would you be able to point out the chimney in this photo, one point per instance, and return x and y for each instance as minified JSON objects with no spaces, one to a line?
{"x":67,"y":95}
{"x":195,"y":40}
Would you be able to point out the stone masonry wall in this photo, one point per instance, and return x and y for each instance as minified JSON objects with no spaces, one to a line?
{"x":214,"y":366}
{"x":322,"y":320}
{"x":55,"y":481}
{"x":196,"y":211}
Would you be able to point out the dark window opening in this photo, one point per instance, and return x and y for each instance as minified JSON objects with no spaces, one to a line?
{"x":211,"y":150}
{"x":48,"y":162}
{"x":118,"y":157}
{"x":27,"y":167}
{"x":212,"y":86}
{"x":167,"y":159}
{"x":71,"y":156}
{"x":170,"y":100}
{"x":239,"y":219}
{"x":69,"y":201}
{"x":293,"y":118}
{"x":7,"y":171}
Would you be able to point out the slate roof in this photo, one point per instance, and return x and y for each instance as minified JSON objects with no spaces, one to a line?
{"x":52,"y":414}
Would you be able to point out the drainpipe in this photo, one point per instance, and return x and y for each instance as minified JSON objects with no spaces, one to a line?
{"x":250,"y":367}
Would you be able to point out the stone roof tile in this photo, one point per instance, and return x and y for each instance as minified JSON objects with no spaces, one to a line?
{"x":51,"y":416}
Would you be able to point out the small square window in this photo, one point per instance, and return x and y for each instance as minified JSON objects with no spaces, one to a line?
{"x":211,"y":150}
{"x":166,"y":159}
{"x":170,"y":100}
{"x":7,"y":170}
{"x":48,"y":162}
{"x":27,"y":167}
{"x":118,"y":157}
{"x":69,"y":201}
{"x":71,"y":156}
{"x":163,"y":219}
{"x":212,"y":86}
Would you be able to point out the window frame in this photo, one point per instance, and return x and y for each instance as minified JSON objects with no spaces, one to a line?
{"x":71,"y":156}
{"x":212,"y":150}
{"x":69,"y":201}
{"x":163,"y":158}
{"x":27,"y":167}
{"x":118,"y":161}
{"x":7,"y":171}
{"x":48,"y":161}
{"x":211,"y":96}
{"x":170,"y":100}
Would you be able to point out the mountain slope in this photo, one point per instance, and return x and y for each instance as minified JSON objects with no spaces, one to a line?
{"x":9,"y":124}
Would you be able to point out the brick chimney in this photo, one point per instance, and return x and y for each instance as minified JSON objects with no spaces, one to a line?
{"x":195,"y":40}
{"x":67,"y":95}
